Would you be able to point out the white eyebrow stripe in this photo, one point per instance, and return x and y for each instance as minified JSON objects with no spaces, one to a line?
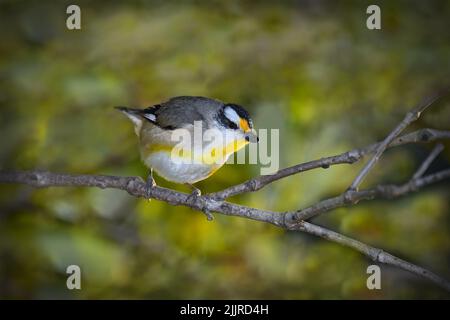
{"x":232,"y":115}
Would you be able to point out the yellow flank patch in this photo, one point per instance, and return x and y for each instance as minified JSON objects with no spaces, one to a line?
{"x":178,"y":152}
{"x":209,"y":156}
{"x":216,"y":155}
{"x":244,"y":125}
{"x":158,"y":147}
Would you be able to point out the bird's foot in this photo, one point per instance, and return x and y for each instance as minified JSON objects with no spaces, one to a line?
{"x":208,"y":214}
{"x":195,"y":195}
{"x":149,"y":185}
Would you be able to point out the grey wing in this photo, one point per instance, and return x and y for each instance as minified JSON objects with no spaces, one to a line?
{"x":181,"y":111}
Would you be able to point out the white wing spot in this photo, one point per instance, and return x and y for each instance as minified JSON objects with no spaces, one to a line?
{"x":150,"y":116}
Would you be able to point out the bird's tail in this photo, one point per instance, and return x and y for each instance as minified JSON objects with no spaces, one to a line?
{"x":134,"y":115}
{"x":127,"y":110}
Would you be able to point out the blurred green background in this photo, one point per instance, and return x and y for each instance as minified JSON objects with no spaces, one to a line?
{"x":308,"y":68}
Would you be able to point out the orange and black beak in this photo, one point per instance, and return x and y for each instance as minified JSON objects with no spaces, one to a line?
{"x":250,"y":134}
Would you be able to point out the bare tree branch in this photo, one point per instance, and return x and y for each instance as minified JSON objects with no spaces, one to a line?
{"x":349,"y":157}
{"x":135,"y":186}
{"x":422,"y":135}
{"x":426,"y":164}
{"x":379,"y":192}
{"x":377,"y":255}
{"x":410,"y":117}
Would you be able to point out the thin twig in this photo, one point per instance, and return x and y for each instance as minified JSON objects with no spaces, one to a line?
{"x":377,"y":255}
{"x":410,"y":117}
{"x":426,"y":164}
{"x":380,"y":192}
{"x":422,"y":135}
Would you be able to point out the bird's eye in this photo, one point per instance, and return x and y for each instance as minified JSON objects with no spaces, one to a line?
{"x":229,"y":124}
{"x":232,"y":125}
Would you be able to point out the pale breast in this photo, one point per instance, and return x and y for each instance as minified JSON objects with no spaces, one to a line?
{"x":184,"y":161}
{"x":177,"y":170}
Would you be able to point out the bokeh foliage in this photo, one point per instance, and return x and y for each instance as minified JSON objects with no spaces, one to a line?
{"x":308,"y":68}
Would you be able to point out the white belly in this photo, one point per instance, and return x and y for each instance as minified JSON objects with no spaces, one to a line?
{"x":179,"y":171}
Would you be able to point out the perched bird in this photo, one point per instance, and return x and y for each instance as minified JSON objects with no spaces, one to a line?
{"x":160,"y":126}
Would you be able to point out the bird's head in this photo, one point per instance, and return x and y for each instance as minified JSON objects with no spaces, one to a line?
{"x":235,"y":118}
